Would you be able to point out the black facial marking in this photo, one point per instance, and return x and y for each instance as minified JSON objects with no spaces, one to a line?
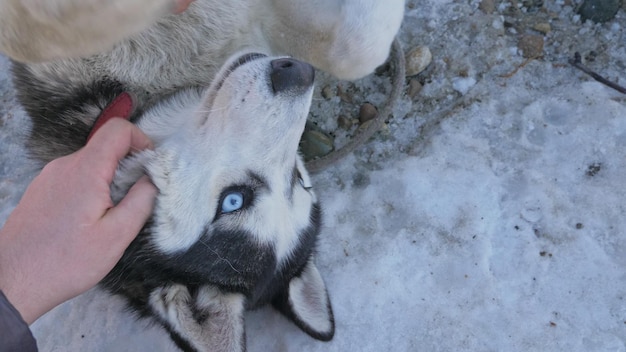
{"x":230,"y":260}
{"x":295,"y":181}
{"x":259,"y":180}
{"x":294,"y":264}
{"x":295,"y":177}
{"x":233,"y":261}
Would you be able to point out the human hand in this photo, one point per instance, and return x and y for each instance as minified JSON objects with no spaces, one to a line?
{"x":181,"y":5}
{"x":66,"y":234}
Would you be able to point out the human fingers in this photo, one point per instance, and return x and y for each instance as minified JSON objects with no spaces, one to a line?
{"x":128,"y":217}
{"x":112,"y":142}
{"x":181,"y":5}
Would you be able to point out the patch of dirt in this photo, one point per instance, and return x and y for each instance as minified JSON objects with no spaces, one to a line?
{"x":471,"y":42}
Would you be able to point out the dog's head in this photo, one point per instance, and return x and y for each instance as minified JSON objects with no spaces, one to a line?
{"x":235,"y":210}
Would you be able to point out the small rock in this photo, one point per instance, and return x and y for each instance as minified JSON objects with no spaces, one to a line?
{"x":531,"y":45}
{"x":344,"y":95}
{"x":327,"y":92}
{"x":543,"y":27}
{"x":344,"y":122}
{"x":599,"y":11}
{"x":315,"y":143}
{"x":367,"y":112}
{"x":532,"y":4}
{"x":487,"y":6}
{"x":415,"y":87}
{"x":417,"y":60}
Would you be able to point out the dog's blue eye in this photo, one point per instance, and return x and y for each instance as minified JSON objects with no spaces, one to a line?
{"x":232,"y":202}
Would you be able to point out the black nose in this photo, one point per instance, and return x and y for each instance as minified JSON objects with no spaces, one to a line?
{"x":291,"y":75}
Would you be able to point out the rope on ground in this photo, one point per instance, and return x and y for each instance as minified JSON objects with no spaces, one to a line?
{"x":368,"y":129}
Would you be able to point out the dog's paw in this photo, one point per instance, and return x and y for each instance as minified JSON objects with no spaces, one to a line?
{"x":347,"y":39}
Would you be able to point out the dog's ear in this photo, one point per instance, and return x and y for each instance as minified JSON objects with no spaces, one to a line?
{"x":305,"y":301}
{"x":203,"y":320}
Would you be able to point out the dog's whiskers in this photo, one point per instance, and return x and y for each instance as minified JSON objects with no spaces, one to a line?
{"x":220,"y":257}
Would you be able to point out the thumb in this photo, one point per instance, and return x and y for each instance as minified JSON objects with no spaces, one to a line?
{"x":131,"y":213}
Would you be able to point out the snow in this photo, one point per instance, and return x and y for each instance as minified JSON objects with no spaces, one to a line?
{"x":463,"y":84}
{"x":488,"y":216}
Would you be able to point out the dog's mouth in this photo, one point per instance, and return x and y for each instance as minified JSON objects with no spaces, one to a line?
{"x":287,"y":77}
{"x":224,"y":73}
{"x":242,"y":60}
{"x":245,"y":59}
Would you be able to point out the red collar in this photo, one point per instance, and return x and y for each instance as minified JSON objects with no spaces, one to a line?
{"x":121,"y":107}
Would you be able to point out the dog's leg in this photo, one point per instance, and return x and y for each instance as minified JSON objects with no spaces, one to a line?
{"x":208,"y":321}
{"x":40,"y":30}
{"x":348,"y":38}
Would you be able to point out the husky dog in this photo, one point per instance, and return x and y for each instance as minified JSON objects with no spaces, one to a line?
{"x":223,"y":90}
{"x":228,"y":231}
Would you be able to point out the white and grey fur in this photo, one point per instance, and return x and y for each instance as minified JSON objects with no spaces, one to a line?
{"x":223,"y":122}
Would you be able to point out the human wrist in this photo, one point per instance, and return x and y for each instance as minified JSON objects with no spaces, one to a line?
{"x":24,"y":296}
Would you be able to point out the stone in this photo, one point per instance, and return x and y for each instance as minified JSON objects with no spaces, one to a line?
{"x":327,"y":92}
{"x":315,"y":143}
{"x":344,"y":122}
{"x":531,"y":45}
{"x":532,"y":4}
{"x":543,"y":27}
{"x":344,"y":95}
{"x":367,"y":112}
{"x":487,"y":6}
{"x":599,"y":11}
{"x":417,"y":60}
{"x":415,"y":87}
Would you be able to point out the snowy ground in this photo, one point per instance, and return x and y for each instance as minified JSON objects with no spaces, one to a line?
{"x":489,"y":216}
